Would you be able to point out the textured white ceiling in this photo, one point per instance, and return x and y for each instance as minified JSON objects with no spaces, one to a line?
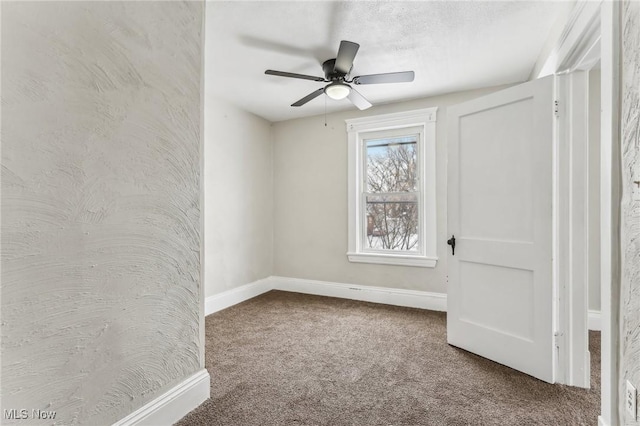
{"x":451,"y":46}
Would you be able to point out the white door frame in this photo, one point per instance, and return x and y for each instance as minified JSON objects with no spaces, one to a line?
{"x":571,"y":217}
{"x":592,"y":33}
{"x":610,"y":209}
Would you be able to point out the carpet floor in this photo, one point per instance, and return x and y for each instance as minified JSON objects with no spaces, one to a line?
{"x":293,"y":359}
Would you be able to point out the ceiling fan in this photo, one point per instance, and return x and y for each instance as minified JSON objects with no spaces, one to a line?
{"x":336,"y":73}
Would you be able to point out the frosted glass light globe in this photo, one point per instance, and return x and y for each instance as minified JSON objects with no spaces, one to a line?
{"x":337,"y":91}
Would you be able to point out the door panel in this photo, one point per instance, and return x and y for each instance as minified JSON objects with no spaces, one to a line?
{"x":496,"y":191}
{"x":477,"y":308}
{"x":500,"y":297}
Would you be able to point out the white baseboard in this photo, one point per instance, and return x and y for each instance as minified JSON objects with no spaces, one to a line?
{"x":385,"y":295}
{"x":388,"y":296}
{"x":228,"y":298}
{"x":172,"y":405}
{"x":602,"y":422}
{"x":593,"y":320}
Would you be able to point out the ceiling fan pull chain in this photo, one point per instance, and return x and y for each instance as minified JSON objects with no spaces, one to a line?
{"x":325,"y":111}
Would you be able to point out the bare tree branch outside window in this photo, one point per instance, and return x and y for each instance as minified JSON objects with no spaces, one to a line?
{"x":392,"y":193}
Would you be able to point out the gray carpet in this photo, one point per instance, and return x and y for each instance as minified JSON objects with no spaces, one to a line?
{"x":292,"y":359}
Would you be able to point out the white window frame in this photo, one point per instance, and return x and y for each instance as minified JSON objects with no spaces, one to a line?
{"x":357,"y":130}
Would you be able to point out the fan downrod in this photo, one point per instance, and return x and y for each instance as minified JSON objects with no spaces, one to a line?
{"x":329,"y":73}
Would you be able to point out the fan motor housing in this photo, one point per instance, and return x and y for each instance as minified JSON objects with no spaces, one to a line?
{"x":329,"y":73}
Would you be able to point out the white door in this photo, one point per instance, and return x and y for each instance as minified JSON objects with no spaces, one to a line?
{"x":500,"y":293}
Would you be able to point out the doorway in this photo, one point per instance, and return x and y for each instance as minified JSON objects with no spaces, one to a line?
{"x":583,"y":228}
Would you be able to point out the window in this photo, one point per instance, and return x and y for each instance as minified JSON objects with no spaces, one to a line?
{"x":392,"y":205}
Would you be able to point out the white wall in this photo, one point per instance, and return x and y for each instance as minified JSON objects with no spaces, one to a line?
{"x":594,"y":189}
{"x":310,"y":185}
{"x":238,"y":185}
{"x":100,"y":198}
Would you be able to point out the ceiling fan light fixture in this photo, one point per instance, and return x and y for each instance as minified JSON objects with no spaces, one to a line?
{"x":337,"y":90}
{"x":336,"y":71}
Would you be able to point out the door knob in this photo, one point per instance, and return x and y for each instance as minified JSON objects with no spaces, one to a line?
{"x":452,"y":242}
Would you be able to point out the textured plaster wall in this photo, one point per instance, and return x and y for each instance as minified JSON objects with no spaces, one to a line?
{"x":630,"y":208}
{"x":100,"y":205}
{"x":310,"y":181}
{"x":238,"y":186}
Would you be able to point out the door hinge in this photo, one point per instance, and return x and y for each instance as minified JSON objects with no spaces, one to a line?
{"x":558,"y":339}
{"x":556,"y":108}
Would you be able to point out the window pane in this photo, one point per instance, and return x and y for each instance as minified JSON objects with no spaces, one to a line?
{"x":392,"y":164}
{"x":392,"y":222}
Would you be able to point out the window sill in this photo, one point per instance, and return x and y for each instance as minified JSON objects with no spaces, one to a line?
{"x":393,"y":259}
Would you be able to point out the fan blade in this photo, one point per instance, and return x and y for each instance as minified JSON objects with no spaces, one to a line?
{"x":346,"y":54}
{"x":307,"y":98}
{"x":392,"y":77}
{"x":293,"y":75}
{"x":358,"y":100}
